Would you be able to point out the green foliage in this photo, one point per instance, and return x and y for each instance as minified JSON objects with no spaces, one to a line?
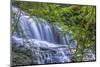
{"x":81,"y":20}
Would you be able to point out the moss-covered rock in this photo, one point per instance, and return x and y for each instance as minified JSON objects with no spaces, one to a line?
{"x":22,"y":56}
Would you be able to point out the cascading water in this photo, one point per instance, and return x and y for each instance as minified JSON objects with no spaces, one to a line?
{"x":37,"y":35}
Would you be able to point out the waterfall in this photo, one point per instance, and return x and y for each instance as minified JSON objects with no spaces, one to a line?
{"x":38,"y":35}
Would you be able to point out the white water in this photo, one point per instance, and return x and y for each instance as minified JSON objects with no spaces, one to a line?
{"x":40,"y":37}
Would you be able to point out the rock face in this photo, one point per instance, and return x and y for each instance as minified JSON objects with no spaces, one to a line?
{"x":23,"y":56}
